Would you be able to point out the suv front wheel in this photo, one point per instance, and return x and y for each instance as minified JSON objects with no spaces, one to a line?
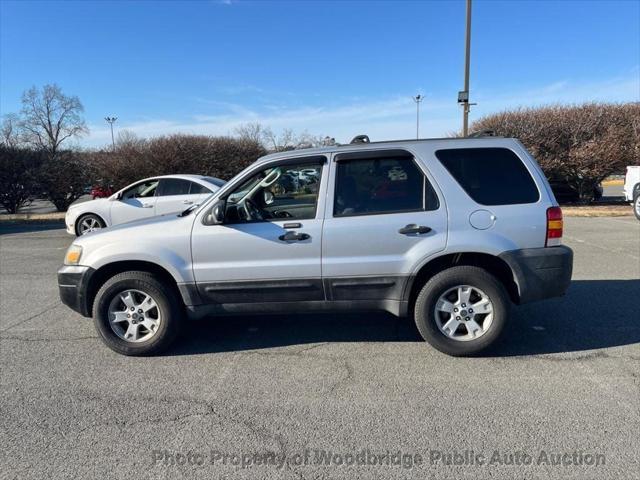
{"x":136,"y":314}
{"x":462,"y":310}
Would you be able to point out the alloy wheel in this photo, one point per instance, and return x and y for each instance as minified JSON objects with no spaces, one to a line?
{"x":464,"y":313}
{"x":134,"y":316}
{"x":89,"y":224}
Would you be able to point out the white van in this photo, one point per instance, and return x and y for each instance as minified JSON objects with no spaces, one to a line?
{"x":632,"y":188}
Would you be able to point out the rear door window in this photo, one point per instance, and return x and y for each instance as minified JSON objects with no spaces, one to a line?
{"x":490,"y":176}
{"x":173,"y":186}
{"x":197,"y":189}
{"x":379,"y":185}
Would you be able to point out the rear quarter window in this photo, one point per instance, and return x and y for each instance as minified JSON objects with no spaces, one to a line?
{"x":490,"y":176}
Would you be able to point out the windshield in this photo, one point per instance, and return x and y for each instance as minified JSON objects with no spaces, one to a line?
{"x":247,"y":186}
{"x":216,"y":181}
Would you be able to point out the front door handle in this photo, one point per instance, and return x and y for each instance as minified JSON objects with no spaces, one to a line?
{"x":146,"y":205}
{"x":187,"y":202}
{"x":294,"y":237}
{"x":413,"y":228}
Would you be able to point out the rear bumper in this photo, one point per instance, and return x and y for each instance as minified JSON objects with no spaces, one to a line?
{"x":540,"y":273}
{"x":73,"y":284}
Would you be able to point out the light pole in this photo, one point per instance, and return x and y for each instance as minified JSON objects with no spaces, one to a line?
{"x":418,"y":98}
{"x":463,"y":96}
{"x":111,"y":121}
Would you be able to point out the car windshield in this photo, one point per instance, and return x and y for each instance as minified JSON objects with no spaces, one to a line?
{"x":247,"y":186}
{"x":216,"y":181}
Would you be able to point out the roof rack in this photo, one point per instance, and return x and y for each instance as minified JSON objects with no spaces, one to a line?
{"x":364,"y":139}
{"x":360,"y":139}
{"x":482,"y":133}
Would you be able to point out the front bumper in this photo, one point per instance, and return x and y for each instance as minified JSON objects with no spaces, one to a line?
{"x":540,"y":273}
{"x":73,"y":282}
{"x":70,"y":223}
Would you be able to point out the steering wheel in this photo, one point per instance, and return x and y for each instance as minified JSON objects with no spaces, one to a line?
{"x":252,"y":210}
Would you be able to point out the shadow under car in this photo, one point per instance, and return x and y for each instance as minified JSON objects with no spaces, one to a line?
{"x":593,"y":314}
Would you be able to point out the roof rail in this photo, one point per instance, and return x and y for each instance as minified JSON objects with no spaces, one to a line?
{"x":360,"y":139}
{"x":482,"y":133}
{"x":364,"y":139}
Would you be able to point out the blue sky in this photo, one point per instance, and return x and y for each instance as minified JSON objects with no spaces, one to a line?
{"x":330,"y":68}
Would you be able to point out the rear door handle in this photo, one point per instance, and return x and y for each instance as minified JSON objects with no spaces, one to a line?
{"x":413,"y":228}
{"x":294,"y":237}
{"x":187,"y":202}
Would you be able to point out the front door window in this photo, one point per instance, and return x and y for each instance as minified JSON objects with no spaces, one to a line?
{"x":278,"y":193}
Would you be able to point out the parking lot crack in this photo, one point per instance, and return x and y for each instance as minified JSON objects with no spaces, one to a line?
{"x":68,"y":339}
{"x":48,"y":308}
{"x":208,"y":411}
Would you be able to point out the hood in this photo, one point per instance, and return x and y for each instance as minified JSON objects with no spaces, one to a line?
{"x":87,"y":203}
{"x":145,"y":228}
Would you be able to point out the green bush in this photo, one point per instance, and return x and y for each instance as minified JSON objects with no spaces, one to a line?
{"x":63,"y":177}
{"x":18,"y":177}
{"x":221,"y":157}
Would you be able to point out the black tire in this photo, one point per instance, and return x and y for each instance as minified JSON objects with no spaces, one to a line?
{"x":90,"y":217}
{"x":438,"y":285}
{"x":636,"y":200}
{"x":168,"y":303}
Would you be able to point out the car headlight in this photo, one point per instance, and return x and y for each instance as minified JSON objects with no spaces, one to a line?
{"x":73,"y":255}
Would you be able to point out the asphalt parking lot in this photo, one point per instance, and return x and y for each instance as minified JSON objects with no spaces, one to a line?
{"x":353,"y":388}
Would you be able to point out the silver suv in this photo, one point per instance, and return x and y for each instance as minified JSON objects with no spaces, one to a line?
{"x":450,"y":231}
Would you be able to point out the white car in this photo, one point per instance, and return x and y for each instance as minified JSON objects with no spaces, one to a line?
{"x":632,"y":188}
{"x":145,"y":198}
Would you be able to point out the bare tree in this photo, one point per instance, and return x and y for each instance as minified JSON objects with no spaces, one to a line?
{"x":308,"y":140}
{"x":128,"y":138}
{"x":252,"y":131}
{"x":49,"y":117}
{"x":9,"y":131}
{"x":286,"y":140}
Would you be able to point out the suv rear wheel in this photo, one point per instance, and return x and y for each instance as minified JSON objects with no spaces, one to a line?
{"x":461,"y":310}
{"x":135,"y":314}
{"x":636,"y":203}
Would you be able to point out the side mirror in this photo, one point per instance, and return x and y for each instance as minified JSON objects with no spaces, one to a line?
{"x":216,"y":214}
{"x":268,"y":197}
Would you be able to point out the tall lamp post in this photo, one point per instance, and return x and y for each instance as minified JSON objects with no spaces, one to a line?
{"x":111,"y":121}
{"x":418,"y":98}
{"x":463,"y":96}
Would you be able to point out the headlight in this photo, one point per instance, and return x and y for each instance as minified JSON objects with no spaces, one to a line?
{"x":73,"y":255}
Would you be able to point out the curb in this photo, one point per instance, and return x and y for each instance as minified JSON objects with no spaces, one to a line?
{"x":33,"y":217}
{"x":604,"y":211}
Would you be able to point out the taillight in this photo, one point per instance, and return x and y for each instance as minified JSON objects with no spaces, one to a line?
{"x":554,"y":226}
